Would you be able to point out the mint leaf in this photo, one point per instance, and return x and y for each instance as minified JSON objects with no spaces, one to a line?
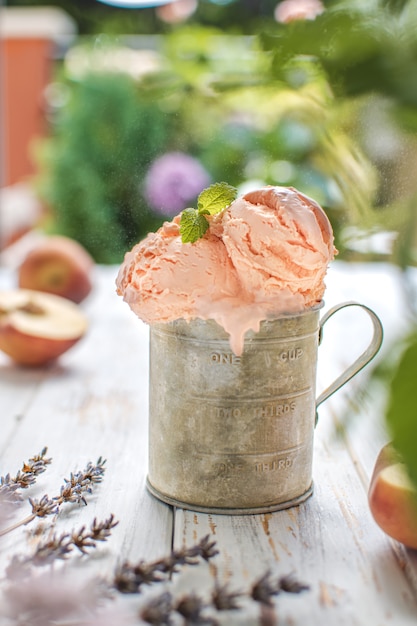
{"x":216,"y":198}
{"x":212,"y":200}
{"x":193,"y":225}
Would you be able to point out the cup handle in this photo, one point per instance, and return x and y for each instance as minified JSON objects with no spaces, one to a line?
{"x":363,"y":359}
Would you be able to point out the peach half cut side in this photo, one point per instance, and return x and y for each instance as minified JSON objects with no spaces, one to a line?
{"x":37,"y":327}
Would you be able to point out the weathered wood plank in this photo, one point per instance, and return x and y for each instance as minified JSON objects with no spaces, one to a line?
{"x":91,"y":403}
{"x":329,"y":542}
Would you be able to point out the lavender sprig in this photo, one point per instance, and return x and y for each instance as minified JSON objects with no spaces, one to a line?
{"x":265,"y":588}
{"x":205,"y":549}
{"x":24,"y":478}
{"x":80,"y":483}
{"x":84,"y":539}
{"x":73,"y":491}
{"x":59,"y":547}
{"x":195,"y":610}
{"x":129,"y":578}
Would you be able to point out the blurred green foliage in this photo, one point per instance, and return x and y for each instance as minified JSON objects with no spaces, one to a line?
{"x":202,"y":100}
{"x":93,"y":165}
{"x":366,"y":52}
{"x":401,"y":409}
{"x":245,"y":125}
{"x":326,"y":105}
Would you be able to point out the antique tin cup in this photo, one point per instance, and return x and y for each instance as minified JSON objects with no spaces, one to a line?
{"x":231,"y":434}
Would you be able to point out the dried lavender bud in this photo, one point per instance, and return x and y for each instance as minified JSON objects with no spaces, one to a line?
{"x":225,"y":600}
{"x":100,"y":531}
{"x":190,"y":607}
{"x":43,"y":507}
{"x":24,"y":479}
{"x":124,"y":579}
{"x":26,"y":476}
{"x":170,"y":564}
{"x":146,"y":573}
{"x":81,"y":539}
{"x":263,"y":590}
{"x":90,"y":475}
{"x":56,"y":547}
{"x":71,"y":494}
{"x":207,"y":548}
{"x":158,"y":610}
{"x":291,"y":585}
{"x":184,"y":556}
{"x":129,"y":578}
{"x":37,"y":464}
{"x":94,"y":473}
{"x":80,"y":483}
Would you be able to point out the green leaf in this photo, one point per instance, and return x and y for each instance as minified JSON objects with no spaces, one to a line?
{"x":401,"y":412}
{"x":216,"y":198}
{"x":193,"y":225}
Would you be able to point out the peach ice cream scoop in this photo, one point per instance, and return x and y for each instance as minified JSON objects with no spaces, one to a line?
{"x":264,"y":255}
{"x":280,"y":242}
{"x":163,"y":279}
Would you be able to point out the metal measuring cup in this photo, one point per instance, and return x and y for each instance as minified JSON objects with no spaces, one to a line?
{"x":234,"y":434}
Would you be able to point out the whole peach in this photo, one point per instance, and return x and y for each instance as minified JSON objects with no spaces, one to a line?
{"x":393,"y":497}
{"x":58,"y":265}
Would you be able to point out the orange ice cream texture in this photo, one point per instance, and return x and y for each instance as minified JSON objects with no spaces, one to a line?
{"x":263,"y":256}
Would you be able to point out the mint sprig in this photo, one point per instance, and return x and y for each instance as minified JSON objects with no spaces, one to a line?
{"x":214,"y":199}
{"x":193,"y":225}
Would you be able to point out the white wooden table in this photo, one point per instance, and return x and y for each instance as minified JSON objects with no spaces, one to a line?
{"x":93,"y":402}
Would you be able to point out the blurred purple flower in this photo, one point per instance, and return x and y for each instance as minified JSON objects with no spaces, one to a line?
{"x":173,"y":180}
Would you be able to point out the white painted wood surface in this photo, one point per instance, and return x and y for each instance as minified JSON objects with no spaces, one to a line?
{"x":93,"y":402}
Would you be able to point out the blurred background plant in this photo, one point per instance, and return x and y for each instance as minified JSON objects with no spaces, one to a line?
{"x":323,"y":104}
{"x":316,"y":94}
{"x":203,"y":95}
{"x":93,"y":165}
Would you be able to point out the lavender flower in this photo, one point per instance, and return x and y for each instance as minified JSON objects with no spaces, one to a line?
{"x":173,"y":181}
